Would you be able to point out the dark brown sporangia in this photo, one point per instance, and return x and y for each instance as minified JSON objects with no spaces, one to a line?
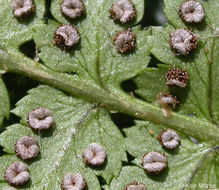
{"x":94,"y":155}
{"x":73,"y":182}
{"x":23,"y":8}
{"x":17,"y":174}
{"x":124,"y":41}
{"x":168,"y":103}
{"x":135,"y":186}
{"x":154,"y":162}
{"x":123,"y":11}
{"x":183,"y":41}
{"x":169,"y":139}
{"x":66,"y":36}
{"x":40,"y":119}
{"x":191,"y":12}
{"x":73,"y":8}
{"x":177,"y":77}
{"x":27,"y":147}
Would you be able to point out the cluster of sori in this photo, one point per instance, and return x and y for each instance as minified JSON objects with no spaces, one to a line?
{"x":174,"y":77}
{"x":155,"y":163}
{"x":41,"y":120}
{"x":26,"y":148}
{"x":123,"y":11}
{"x":67,"y":36}
{"x":182,"y":42}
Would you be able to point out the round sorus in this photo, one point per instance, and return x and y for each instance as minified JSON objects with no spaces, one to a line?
{"x":177,"y":77}
{"x":123,"y":11}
